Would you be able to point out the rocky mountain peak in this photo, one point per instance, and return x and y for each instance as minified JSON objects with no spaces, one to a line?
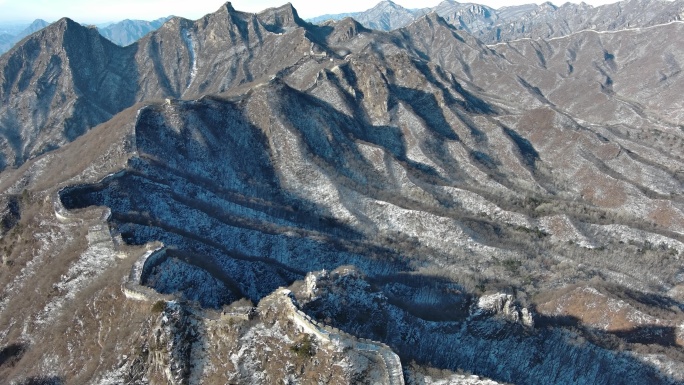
{"x":386,"y":15}
{"x":62,"y":35}
{"x":63,"y":66}
{"x":65,"y":23}
{"x":388,"y":6}
{"x":547,"y":6}
{"x":228,"y":7}
{"x":430,"y":21}
{"x":228,"y":12}
{"x":388,"y":3}
{"x":175,"y":21}
{"x":75,"y":30}
{"x":66,"y":30}
{"x":345,"y":29}
{"x":281,"y":18}
{"x":36,"y":25}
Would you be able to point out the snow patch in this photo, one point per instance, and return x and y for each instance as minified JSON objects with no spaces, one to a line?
{"x":189,"y":40}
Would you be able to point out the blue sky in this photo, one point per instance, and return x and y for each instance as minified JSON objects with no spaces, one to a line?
{"x":97,"y":11}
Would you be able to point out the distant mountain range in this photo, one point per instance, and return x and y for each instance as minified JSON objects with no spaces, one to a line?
{"x":122,"y":33}
{"x":522,"y":21}
{"x":7,"y":40}
{"x":127,"y":31}
{"x":487,"y":24}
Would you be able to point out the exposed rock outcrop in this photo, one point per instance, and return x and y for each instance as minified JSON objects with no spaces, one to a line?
{"x":504,"y":305}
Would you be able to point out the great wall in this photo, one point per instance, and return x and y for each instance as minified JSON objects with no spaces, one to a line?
{"x":99,"y":233}
{"x":327,"y":334}
{"x":134,"y":290}
{"x":132,"y":287}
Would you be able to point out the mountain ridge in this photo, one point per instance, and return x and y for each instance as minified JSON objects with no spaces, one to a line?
{"x":530,"y":21}
{"x":121,"y":33}
{"x":128,"y":31}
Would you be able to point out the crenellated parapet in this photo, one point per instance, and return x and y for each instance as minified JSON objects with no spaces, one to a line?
{"x":328,"y":334}
{"x":133,"y":287}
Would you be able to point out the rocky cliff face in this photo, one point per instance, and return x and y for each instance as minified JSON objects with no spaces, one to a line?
{"x":449,"y":201}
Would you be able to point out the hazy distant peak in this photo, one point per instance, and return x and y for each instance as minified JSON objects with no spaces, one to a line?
{"x":548,"y":5}
{"x":35,"y":26}
{"x":129,"y":31}
{"x":38,"y":24}
{"x":387,"y":4}
{"x":176,"y":20}
{"x":452,"y":3}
